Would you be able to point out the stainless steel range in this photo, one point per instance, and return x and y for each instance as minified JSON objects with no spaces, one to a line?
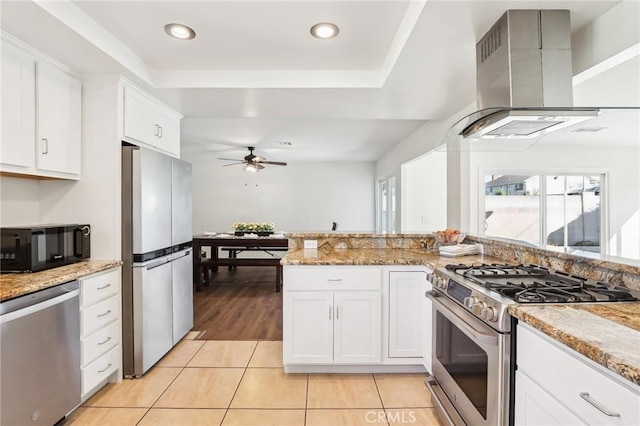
{"x":472,"y":342}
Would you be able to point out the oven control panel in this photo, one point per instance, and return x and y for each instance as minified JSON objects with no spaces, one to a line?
{"x":473,"y":301}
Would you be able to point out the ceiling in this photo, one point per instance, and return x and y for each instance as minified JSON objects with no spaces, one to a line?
{"x":254,"y":75}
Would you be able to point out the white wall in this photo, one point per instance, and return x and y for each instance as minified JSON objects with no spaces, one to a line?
{"x":420,"y":142}
{"x":95,"y":199}
{"x":299,"y":197}
{"x":425,"y":193}
{"x":20,"y":201}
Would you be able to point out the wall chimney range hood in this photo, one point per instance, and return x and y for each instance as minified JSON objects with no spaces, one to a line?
{"x":524,"y":77}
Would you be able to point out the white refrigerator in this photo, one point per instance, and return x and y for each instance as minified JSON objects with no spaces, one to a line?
{"x":157,"y":288}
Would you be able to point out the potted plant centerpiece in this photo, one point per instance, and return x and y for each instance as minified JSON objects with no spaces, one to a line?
{"x":261,"y":229}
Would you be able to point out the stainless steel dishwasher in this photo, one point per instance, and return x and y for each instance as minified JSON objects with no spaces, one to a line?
{"x":40,"y":356}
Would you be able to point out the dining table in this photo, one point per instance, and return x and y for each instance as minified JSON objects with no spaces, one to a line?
{"x":204,"y":267}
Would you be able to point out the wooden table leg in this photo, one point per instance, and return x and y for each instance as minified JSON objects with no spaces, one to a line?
{"x":278,"y":278}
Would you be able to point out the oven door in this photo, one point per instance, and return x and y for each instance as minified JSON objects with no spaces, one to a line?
{"x":470,"y":366}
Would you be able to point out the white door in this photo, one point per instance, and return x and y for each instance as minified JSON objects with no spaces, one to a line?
{"x":58,"y":120}
{"x":386,"y":206}
{"x":181,"y":202}
{"x":534,"y":406}
{"x":407,"y":305}
{"x":155,"y":298}
{"x":182,"y":287}
{"x":358,"y":327}
{"x":308,"y":327}
{"x":139,"y":117}
{"x":17,"y":146}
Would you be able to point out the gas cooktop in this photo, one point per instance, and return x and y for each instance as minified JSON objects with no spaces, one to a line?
{"x":536,"y":284}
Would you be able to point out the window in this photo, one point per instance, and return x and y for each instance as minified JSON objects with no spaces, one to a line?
{"x":386,"y":200}
{"x":545,"y":210}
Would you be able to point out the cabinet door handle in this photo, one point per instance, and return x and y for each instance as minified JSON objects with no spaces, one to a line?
{"x":105,"y":341}
{"x":596,"y":404}
{"x":157,"y":132}
{"x":105,"y":314}
{"x":338,"y":312}
{"x":103,"y":287}
{"x":160,"y":132}
{"x":106,"y":368}
{"x":45,"y":145}
{"x":330,"y":312}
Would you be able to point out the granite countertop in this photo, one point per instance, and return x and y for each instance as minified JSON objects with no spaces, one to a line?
{"x":16,"y":285}
{"x":607,"y":333}
{"x":378,"y":256}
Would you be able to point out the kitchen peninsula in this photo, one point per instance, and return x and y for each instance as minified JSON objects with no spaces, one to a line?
{"x":397,"y":253}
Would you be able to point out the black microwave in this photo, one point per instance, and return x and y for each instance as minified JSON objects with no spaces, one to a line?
{"x":40,"y":247}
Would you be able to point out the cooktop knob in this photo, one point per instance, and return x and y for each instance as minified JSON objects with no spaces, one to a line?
{"x":470,"y":302}
{"x":478,"y":307}
{"x":489,"y":314}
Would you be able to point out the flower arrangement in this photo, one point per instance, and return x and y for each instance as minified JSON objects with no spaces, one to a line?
{"x":253,"y":227}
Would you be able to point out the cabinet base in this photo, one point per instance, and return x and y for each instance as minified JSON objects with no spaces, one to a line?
{"x":331,"y":368}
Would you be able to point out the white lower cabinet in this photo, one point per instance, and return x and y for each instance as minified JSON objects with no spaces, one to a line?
{"x":100,"y":329}
{"x":340,"y":325}
{"x":409,"y":325}
{"x":558,"y":386}
{"x":356,"y":319}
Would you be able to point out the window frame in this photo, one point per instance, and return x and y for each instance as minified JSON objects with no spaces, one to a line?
{"x":543,"y":174}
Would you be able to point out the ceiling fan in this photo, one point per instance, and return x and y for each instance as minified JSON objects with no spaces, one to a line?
{"x":252,"y":162}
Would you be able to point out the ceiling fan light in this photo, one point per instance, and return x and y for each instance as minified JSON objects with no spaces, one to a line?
{"x":251,"y":168}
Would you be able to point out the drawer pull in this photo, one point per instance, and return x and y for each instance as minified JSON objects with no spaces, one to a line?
{"x":334,"y":279}
{"x":603,"y":410}
{"x":106,"y":368}
{"x":102,"y":343}
{"x":103,"y":287}
{"x":105,"y":314}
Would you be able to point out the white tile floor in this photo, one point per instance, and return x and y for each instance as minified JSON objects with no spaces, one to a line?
{"x":243,"y":383}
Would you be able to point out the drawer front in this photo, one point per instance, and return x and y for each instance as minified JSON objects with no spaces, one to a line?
{"x":99,"y":315}
{"x":567,"y":375}
{"x":99,"y":287}
{"x":99,"y":342}
{"x":100,"y":369}
{"x":332,"y":278}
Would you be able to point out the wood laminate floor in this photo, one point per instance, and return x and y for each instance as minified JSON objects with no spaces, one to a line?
{"x":239,"y":305}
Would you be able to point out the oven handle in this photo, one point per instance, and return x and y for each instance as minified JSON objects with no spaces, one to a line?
{"x":489,"y":339}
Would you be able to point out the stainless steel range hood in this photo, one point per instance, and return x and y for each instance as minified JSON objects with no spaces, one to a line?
{"x":524,"y":77}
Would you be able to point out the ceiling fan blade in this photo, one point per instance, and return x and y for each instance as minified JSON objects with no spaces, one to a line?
{"x":274,"y":163}
{"x":230,"y":159}
{"x":233,"y":164}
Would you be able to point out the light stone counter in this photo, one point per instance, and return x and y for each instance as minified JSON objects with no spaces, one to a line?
{"x":607,"y":333}
{"x":16,"y":285}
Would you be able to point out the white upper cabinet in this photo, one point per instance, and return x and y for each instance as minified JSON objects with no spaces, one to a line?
{"x":18,"y":108}
{"x":58,"y":120}
{"x":41,"y":116}
{"x":147,"y":122}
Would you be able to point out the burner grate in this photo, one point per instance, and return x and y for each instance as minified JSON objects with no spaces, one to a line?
{"x":536,"y":284}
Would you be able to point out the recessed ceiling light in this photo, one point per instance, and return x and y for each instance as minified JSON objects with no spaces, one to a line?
{"x":180,"y":31}
{"x":325,"y":30}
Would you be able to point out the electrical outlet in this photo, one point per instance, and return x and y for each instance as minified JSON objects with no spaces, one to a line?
{"x":310,"y":244}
